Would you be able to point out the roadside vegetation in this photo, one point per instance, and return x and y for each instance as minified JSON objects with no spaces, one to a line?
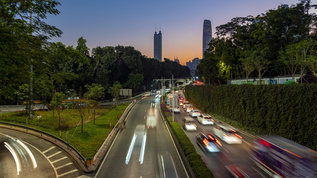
{"x":87,"y":142}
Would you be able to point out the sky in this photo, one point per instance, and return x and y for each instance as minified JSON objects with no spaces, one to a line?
{"x":133,"y":22}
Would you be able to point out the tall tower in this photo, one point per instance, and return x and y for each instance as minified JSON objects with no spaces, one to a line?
{"x":158,"y":46}
{"x":206,"y":35}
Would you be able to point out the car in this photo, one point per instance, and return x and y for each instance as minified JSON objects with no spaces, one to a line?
{"x":189,"y":124}
{"x":205,"y":119}
{"x":195,"y":113}
{"x":185,"y":103}
{"x":176,"y":109}
{"x":180,"y":102}
{"x":208,"y":142}
{"x":189,"y":108}
{"x":227,"y":134}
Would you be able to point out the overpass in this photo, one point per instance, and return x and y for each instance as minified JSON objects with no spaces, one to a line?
{"x":176,"y":82}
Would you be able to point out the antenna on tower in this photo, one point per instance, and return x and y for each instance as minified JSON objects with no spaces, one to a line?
{"x":155,"y":27}
{"x":160,"y":27}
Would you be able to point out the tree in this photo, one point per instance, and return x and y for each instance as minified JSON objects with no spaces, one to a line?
{"x":291,"y":58}
{"x":95,"y":92}
{"x":115,"y":91}
{"x":248,"y":65}
{"x":260,"y":62}
{"x":57,"y":102}
{"x":81,"y":46}
{"x":134,"y":82}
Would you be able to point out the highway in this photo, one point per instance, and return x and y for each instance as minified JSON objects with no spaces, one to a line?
{"x":144,"y":148}
{"x":27,"y":156}
{"x":235,"y":154}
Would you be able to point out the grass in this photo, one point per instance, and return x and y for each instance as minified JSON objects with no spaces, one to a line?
{"x":87,"y":142}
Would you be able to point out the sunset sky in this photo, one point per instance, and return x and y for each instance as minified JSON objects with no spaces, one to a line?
{"x":133,"y":22}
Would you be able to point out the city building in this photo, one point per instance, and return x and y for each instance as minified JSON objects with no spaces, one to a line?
{"x":192,"y":65}
{"x":207,"y":35}
{"x":158,"y":46}
{"x":176,"y":60}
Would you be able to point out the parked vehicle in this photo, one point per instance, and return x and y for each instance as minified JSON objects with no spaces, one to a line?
{"x":189,"y":124}
{"x":227,"y":134}
{"x":208,"y":142}
{"x":205,"y":119}
{"x":194,"y":113}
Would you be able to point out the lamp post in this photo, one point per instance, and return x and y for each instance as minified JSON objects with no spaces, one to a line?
{"x":173,"y":99}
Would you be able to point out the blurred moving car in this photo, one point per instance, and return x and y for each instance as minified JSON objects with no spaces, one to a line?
{"x":189,"y":108}
{"x":195,"y":113}
{"x":208,"y":142}
{"x":175,"y":109}
{"x":280,"y":157}
{"x":185,"y":103}
{"x":237,"y":171}
{"x":227,"y":134}
{"x":189,"y":124}
{"x":205,"y":119}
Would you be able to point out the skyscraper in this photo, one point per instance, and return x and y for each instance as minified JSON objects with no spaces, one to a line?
{"x":158,"y":46}
{"x":206,"y":35}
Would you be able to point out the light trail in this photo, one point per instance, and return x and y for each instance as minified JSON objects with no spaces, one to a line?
{"x":127,"y":159}
{"x":141,"y":158}
{"x":17,"y":162}
{"x":29,"y":152}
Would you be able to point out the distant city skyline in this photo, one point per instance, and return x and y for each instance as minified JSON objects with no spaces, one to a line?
{"x":130,"y":23}
{"x":158,"y":46}
{"x":207,"y":35}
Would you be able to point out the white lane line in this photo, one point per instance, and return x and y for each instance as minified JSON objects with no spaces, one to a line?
{"x":59,"y":159}
{"x":127,"y":158}
{"x":48,"y":149}
{"x":54,"y":154}
{"x":64,"y":165}
{"x":141,"y":158}
{"x":29,"y":152}
{"x":69,"y":172}
{"x":179,"y":157}
{"x":246,"y":142}
{"x":42,"y":155}
{"x":258,"y":172}
{"x":162,"y":162}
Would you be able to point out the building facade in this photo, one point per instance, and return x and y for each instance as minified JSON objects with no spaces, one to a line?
{"x":207,"y":35}
{"x":158,"y":46}
{"x":192,"y":65}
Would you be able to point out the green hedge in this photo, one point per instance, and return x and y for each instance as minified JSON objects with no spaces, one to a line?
{"x":286,"y":110}
{"x":197,"y":164}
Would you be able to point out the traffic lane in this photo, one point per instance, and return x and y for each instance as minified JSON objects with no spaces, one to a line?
{"x":51,"y":160}
{"x":156,"y":143}
{"x":231,"y":155}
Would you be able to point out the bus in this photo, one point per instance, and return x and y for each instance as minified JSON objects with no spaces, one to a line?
{"x":280,"y":157}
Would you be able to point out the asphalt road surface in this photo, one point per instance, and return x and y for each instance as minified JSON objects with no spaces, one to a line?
{"x":27,"y":156}
{"x":144,"y":148}
{"x":232,"y":155}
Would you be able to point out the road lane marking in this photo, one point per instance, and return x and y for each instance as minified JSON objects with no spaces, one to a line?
{"x":69,"y":172}
{"x":258,"y":172}
{"x":127,"y":158}
{"x":64,"y":165}
{"x":179,"y":157}
{"x":43,"y":155}
{"x":48,"y":149}
{"x":163,"y":167}
{"x":141,"y":158}
{"x":59,"y":159}
{"x":29,"y":152}
{"x":54,"y":154}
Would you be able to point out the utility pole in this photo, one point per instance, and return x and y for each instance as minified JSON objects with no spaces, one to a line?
{"x":173,"y":99}
{"x":31,"y":78}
